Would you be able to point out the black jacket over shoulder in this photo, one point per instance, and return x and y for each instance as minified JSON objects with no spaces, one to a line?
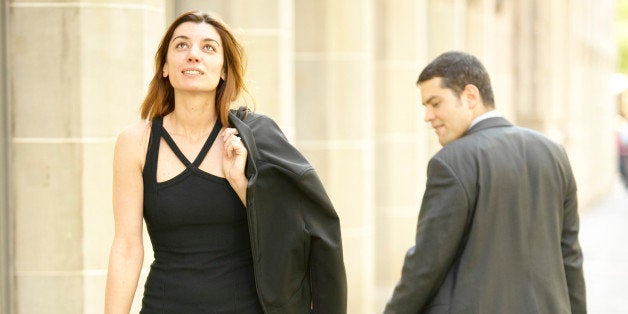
{"x":295,"y":231}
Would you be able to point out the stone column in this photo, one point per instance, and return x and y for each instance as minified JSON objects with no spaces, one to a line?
{"x":489,"y":37}
{"x":403,"y":140}
{"x":480,"y":32}
{"x":79,"y":73}
{"x":560,"y":90}
{"x":335,"y":121}
{"x":6,"y":228}
{"x":526,"y":112}
{"x":588,"y":106}
{"x":447,"y":24}
{"x":502,"y":51}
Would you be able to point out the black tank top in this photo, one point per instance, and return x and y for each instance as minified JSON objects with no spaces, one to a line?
{"x":199,"y":232}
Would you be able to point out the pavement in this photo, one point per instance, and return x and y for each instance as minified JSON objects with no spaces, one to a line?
{"x":604,"y":240}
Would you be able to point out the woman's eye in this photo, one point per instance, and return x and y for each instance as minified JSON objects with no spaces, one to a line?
{"x":181,"y":45}
{"x":209,"y":48}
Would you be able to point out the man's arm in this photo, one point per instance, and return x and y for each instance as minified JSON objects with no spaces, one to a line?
{"x":572,"y":253}
{"x":440,"y":231}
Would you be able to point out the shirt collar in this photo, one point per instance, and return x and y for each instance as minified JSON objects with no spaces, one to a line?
{"x":484,"y":116}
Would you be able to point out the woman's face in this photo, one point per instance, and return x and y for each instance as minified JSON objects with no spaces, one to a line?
{"x":194,"y":62}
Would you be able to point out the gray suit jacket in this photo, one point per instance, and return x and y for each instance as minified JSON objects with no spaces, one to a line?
{"x":497,"y":230}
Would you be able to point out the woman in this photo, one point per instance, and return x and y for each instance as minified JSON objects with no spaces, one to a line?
{"x":224,"y":241}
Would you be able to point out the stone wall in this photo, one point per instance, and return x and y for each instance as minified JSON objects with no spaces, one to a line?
{"x":338,"y":77}
{"x":77,"y":71}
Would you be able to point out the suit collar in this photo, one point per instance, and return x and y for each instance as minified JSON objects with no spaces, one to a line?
{"x":494,"y":122}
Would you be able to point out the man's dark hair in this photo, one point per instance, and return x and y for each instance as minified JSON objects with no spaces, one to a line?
{"x":457,"y":69}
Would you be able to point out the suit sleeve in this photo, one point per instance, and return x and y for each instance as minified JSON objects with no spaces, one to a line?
{"x":440,"y":230}
{"x":327,"y":270}
{"x":572,"y":253}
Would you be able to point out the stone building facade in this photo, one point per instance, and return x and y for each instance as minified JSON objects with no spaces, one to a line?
{"x":338,"y":77}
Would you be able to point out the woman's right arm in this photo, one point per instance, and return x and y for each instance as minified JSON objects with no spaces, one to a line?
{"x":127,"y":250}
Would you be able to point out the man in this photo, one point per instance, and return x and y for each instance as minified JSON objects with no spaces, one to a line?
{"x":498,"y":226}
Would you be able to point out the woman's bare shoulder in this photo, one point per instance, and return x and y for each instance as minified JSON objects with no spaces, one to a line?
{"x":133,"y":139}
{"x":135,"y":131}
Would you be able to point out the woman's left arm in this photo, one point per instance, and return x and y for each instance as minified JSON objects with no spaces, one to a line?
{"x":234,"y":162}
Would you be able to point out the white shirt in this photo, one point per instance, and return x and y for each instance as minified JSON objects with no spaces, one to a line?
{"x":484,"y":116}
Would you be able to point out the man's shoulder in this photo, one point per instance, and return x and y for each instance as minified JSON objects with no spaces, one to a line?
{"x":496,"y":139}
{"x":539,"y":137}
{"x":486,"y":138}
{"x":506,"y":129}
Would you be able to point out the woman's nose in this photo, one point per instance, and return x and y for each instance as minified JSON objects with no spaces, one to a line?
{"x":193,"y":55}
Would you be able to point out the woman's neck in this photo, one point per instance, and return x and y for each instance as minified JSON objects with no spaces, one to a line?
{"x":193,"y":116}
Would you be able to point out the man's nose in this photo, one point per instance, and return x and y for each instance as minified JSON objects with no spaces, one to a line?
{"x":429,"y":115}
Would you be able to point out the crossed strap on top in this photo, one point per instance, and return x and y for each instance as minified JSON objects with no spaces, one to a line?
{"x":201,"y":155}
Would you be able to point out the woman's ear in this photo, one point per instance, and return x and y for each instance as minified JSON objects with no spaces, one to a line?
{"x":165,"y":70}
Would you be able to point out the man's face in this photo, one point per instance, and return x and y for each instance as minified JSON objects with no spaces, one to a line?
{"x":449,"y":115}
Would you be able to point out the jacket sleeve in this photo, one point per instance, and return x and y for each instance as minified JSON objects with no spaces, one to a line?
{"x":326,"y":266}
{"x":572,"y":253}
{"x":440,"y":231}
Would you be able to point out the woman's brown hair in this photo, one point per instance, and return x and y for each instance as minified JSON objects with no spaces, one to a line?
{"x":159,"y":100}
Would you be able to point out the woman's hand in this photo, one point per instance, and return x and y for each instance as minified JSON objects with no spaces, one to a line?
{"x":234,"y":162}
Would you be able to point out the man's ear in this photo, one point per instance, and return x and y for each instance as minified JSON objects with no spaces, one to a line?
{"x":471,"y":94}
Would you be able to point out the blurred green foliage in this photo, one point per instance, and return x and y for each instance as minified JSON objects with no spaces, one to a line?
{"x":621,"y":35}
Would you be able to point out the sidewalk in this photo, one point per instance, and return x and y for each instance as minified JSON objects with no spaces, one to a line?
{"x":603,"y":237}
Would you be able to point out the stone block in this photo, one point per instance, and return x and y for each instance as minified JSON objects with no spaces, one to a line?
{"x":350,"y":24}
{"x":349,"y":185}
{"x":48,"y":218}
{"x":395,"y":235}
{"x":114,"y":55}
{"x":45,"y":91}
{"x":94,"y":283}
{"x":98,"y":225}
{"x":399,"y":30}
{"x":359,"y":264}
{"x":310,"y":26}
{"x":398,"y":100}
{"x":401,"y":176}
{"x":350,"y":99}
{"x":255,"y":14}
{"x":49,"y":293}
{"x":263,"y":79}
{"x":312,"y":108}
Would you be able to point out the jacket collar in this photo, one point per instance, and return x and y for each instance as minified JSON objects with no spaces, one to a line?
{"x":245,"y":133}
{"x":494,"y":122}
